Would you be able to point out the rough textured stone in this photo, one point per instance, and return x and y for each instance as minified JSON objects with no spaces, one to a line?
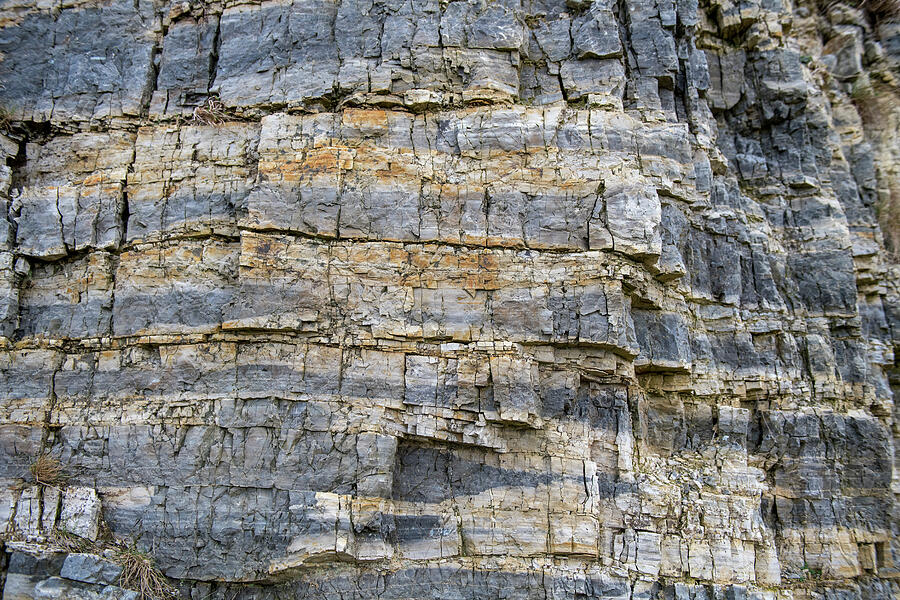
{"x":189,"y":181}
{"x":80,"y":512}
{"x":90,"y":568}
{"x":72,"y":195}
{"x":94,"y":61}
{"x":550,"y":299}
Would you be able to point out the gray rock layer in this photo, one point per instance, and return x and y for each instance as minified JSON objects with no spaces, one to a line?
{"x":462,"y":300}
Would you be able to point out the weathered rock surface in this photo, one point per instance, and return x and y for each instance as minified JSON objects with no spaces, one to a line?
{"x":465,"y":299}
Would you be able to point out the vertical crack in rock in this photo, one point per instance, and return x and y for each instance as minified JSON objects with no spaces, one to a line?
{"x":214,"y":55}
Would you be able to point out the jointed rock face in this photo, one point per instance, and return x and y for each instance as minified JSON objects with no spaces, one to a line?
{"x":464,"y":299}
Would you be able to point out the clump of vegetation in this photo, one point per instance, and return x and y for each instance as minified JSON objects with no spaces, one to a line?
{"x":70,"y":542}
{"x":212,"y":112}
{"x":140,"y":574}
{"x":810,"y":573}
{"x":48,"y":471}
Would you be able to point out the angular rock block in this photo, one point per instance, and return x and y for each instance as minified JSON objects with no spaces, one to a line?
{"x":82,"y":64}
{"x":73,"y":194}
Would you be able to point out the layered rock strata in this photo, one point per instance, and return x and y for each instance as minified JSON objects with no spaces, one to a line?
{"x":496,"y":299}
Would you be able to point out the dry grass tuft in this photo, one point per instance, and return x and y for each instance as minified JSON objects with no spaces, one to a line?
{"x":141,"y":575}
{"x":211,"y":113}
{"x":69,"y":542}
{"x":47,"y":470}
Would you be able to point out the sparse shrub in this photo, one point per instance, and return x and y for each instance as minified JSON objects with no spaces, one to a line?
{"x":141,"y":575}
{"x":68,"y":541}
{"x":810,"y":573}
{"x":212,"y":112}
{"x":47,"y":470}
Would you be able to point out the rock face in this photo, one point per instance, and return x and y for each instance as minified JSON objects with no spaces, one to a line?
{"x":471,"y":299}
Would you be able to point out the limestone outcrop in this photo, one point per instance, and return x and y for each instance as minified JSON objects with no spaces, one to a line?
{"x":476,"y":299}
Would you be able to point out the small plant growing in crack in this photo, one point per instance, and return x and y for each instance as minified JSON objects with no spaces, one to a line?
{"x":140,"y":574}
{"x":212,"y":112}
{"x":48,"y":471}
{"x":810,"y":573}
{"x":70,"y":542}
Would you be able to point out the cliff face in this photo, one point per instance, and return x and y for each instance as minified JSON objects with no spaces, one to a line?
{"x":488,"y":299}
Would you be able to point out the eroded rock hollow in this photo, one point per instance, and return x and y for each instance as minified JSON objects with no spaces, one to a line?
{"x":469,"y":299}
